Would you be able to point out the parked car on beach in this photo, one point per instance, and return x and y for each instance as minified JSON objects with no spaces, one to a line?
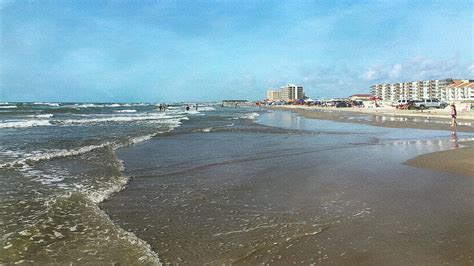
{"x":430,"y":103}
{"x":404,"y":104}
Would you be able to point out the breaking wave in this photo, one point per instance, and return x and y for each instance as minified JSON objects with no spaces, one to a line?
{"x":24,"y":124}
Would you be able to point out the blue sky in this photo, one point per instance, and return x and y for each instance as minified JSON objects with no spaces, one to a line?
{"x":155,"y":51}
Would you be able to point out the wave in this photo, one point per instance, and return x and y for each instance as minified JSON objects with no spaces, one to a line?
{"x":87,"y":105}
{"x":126,"y":111}
{"x":47,"y":104}
{"x":24,"y":124}
{"x":166,"y":119}
{"x":53,"y":155}
{"x":8,"y":106}
{"x":250,"y":116}
{"x":206,"y":108}
{"x":113,"y":105}
{"x":42,"y":116}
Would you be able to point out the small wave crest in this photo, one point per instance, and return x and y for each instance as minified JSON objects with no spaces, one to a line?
{"x":163,"y":118}
{"x":126,"y":111}
{"x":251,"y":116}
{"x":206,"y":108}
{"x":8,"y":106}
{"x":43,"y":116}
{"x":24,"y":123}
{"x":47,"y":104}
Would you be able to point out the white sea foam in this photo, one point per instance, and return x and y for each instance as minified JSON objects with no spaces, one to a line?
{"x":192,"y":112}
{"x":206,"y":108}
{"x":24,"y":123}
{"x":250,"y":116}
{"x":126,"y":111}
{"x":54,"y":154}
{"x":8,"y":106}
{"x":43,"y":116}
{"x":48,"y":104}
{"x":129,"y":118}
{"x":87,"y":105}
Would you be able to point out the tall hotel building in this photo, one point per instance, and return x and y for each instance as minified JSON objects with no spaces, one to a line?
{"x":287,"y":93}
{"x":417,"y":90}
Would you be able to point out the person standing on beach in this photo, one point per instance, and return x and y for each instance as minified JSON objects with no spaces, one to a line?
{"x":454,"y":114}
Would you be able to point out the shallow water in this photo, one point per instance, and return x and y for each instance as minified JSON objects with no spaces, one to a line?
{"x":57,"y":162}
{"x":301,"y":191}
{"x":125,"y":183}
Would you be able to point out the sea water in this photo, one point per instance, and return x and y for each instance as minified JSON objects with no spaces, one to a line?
{"x":127,"y":183}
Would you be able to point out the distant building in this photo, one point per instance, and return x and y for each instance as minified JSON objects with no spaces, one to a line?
{"x":273,"y":95}
{"x":289,"y":92}
{"x":292,"y":92}
{"x":412,"y":90}
{"x":460,"y":90}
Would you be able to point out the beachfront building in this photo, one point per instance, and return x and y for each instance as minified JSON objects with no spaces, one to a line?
{"x":273,"y":95}
{"x":460,"y":90}
{"x":292,"y":92}
{"x":289,"y":92}
{"x":412,"y":90}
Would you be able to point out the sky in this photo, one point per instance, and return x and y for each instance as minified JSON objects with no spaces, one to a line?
{"x":171,"y":51}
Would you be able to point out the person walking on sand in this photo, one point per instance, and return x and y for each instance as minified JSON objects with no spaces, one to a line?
{"x":454,"y":114}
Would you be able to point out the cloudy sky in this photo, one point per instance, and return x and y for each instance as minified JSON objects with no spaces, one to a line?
{"x":154,"y":51}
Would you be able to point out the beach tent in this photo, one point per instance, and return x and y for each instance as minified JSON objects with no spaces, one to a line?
{"x":375,"y":98}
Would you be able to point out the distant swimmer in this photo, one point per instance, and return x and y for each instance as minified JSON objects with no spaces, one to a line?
{"x":161,"y":107}
{"x":187,"y":108}
{"x":196,"y":107}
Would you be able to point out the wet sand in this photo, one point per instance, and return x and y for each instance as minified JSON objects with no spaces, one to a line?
{"x":392,"y":119}
{"x":460,"y":159}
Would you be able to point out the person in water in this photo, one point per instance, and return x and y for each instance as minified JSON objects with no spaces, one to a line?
{"x":187,"y":107}
{"x":454,"y":114}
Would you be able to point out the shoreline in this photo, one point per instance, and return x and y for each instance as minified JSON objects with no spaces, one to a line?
{"x":385,"y":117}
{"x":455,"y":160}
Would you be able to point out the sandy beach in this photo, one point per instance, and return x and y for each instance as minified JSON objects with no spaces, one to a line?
{"x":457,"y":160}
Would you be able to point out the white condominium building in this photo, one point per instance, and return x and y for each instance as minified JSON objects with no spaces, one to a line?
{"x":412,"y":90}
{"x":292,"y":92}
{"x":273,"y":95}
{"x":460,"y":90}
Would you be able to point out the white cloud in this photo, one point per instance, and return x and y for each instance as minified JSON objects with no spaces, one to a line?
{"x":395,"y":72}
{"x":471,"y":71}
{"x":370,"y":74}
{"x":420,"y":68}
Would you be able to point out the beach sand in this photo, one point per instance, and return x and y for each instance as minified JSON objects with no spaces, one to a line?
{"x":458,"y":160}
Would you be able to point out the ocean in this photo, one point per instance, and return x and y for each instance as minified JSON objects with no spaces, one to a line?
{"x":128,"y":183}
